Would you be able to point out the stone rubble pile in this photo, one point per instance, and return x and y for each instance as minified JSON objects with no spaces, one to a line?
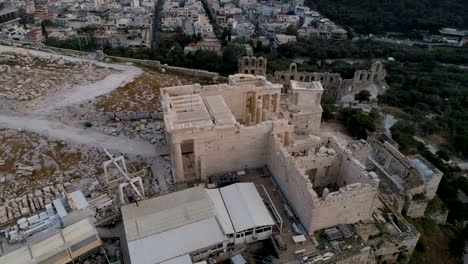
{"x":30,"y":161}
{"x":24,"y":170}
{"x":28,"y":78}
{"x":144,"y":129}
{"x":23,"y":206}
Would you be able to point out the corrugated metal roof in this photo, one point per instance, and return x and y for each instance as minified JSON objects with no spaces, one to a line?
{"x":19,"y":256}
{"x":78,"y":231}
{"x":176,"y":242}
{"x":48,"y":246}
{"x":173,"y":225}
{"x":166,"y":212}
{"x":245,"y":206}
{"x":185,"y":259}
{"x":51,"y":245}
{"x":221,"y":212}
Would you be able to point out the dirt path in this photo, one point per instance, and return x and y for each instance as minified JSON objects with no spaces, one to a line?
{"x":39,"y":120}
{"x":81,"y":93}
{"x":78,"y":93}
{"x":61,"y":131}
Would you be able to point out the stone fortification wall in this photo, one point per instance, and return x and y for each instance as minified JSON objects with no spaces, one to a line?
{"x":349,"y":204}
{"x":415,"y":208}
{"x":293,"y":182}
{"x":333,"y":83}
{"x":253,"y":65}
{"x":355,"y":200}
{"x":233,"y":150}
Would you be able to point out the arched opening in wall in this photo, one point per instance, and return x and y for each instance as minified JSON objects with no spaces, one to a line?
{"x":252,"y":71}
{"x":301,"y":78}
{"x":375,"y":77}
{"x":368,"y":77}
{"x":246,"y":71}
{"x":249,"y":109}
{"x":253,"y":62}
{"x":361,"y":76}
{"x":260,"y":62}
{"x":307,"y":79}
{"x":321,"y":79}
{"x":378,"y":67}
{"x":314,"y":78}
{"x":282,"y":77}
{"x":246,"y":62}
{"x":293,"y":67}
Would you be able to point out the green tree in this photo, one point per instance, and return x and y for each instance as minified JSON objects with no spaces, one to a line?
{"x":443,"y":155}
{"x":357,"y":123}
{"x":403,"y":133}
{"x":429,"y":127}
{"x":45,"y":34}
{"x":291,"y":30}
{"x":362,"y":96}
{"x":402,"y":127}
{"x":329,"y":107}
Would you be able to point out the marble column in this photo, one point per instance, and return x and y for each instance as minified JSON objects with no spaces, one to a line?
{"x":177,"y":162}
{"x":259,"y":111}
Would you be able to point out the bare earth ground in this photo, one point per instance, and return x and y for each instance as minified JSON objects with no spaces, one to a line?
{"x":140,"y":95}
{"x":48,"y":132}
{"x":54,"y":162}
{"x":332,"y":129}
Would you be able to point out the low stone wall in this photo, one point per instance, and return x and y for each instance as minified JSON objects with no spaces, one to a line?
{"x":130,"y":115}
{"x":192,"y":72}
{"x":149,"y":63}
{"x":42,"y":47}
{"x":91,"y":55}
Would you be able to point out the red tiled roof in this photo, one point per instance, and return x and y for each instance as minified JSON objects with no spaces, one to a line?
{"x":32,"y":32}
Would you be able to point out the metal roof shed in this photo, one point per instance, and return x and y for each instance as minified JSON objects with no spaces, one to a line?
{"x":245,"y":206}
{"x":166,"y":212}
{"x":184,"y":259}
{"x":180,"y":241}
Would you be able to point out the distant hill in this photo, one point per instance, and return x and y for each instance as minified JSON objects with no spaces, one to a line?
{"x":379,"y":16}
